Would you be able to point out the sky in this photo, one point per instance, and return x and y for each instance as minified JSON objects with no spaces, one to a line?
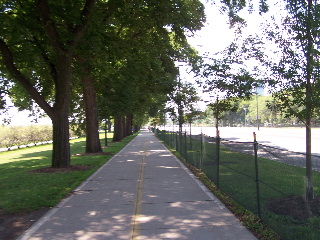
{"x":216,"y":35}
{"x":21,"y":118}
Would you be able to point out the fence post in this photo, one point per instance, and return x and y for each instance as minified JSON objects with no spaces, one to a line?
{"x":173,"y":139}
{"x":165,"y":136}
{"x":218,"y":158}
{"x":255,"y":146}
{"x":180,"y":143}
{"x":190,"y":139}
{"x":185,"y":145}
{"x":201,"y":151}
{"x":177,"y":146}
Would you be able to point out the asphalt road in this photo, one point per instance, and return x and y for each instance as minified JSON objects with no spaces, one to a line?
{"x":292,"y":139}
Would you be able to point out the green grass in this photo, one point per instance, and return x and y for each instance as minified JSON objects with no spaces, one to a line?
{"x":237,"y":180}
{"x":277,"y":180}
{"x":23,"y":191}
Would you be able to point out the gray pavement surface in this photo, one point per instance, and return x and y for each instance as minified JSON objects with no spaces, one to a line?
{"x":142,"y":193}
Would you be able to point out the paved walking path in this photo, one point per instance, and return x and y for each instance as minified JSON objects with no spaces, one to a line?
{"x":142,"y":193}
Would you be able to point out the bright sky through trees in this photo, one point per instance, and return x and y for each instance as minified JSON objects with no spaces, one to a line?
{"x":21,"y":118}
{"x":217,"y":35}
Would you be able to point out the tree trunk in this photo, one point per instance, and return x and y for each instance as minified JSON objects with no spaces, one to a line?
{"x":129,"y":124}
{"x":217,"y":127}
{"x":106,"y":132}
{"x":93,"y":144}
{"x":60,"y":117}
{"x":124,"y":128}
{"x":61,"y":146}
{"x":136,"y":128}
{"x":309,"y":193}
{"x":180,"y":117}
{"x":118,"y":129}
{"x":309,"y":70}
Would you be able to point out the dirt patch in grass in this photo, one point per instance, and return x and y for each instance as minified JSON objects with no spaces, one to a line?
{"x":296,"y":207}
{"x":12,"y":225}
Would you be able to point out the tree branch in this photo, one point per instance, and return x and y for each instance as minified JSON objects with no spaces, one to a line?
{"x":53,"y":70}
{"x":44,"y":11}
{"x":79,"y":30}
{"x":18,"y":76}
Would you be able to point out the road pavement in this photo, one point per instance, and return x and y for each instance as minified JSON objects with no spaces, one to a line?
{"x":292,"y":139}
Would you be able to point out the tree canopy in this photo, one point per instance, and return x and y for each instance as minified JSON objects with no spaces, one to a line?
{"x":123,"y":49}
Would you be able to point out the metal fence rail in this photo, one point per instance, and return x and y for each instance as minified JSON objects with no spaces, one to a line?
{"x":253,"y":174}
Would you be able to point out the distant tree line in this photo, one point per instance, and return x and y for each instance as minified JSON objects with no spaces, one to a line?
{"x":32,"y":135}
{"x":16,"y":136}
{"x":258,"y":111}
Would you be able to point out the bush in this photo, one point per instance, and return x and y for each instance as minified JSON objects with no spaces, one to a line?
{"x":17,"y":136}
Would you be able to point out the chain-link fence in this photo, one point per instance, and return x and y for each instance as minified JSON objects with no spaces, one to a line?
{"x":268,"y":181}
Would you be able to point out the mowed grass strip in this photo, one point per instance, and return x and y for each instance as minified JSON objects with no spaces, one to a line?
{"x":276,"y":180}
{"x":23,"y":190}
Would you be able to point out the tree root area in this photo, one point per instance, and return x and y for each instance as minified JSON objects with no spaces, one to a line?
{"x":296,"y":207}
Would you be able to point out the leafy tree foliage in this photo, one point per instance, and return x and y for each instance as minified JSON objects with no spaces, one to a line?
{"x":227,"y":79}
{"x":141,"y":72}
{"x":294,"y":65}
{"x":296,"y":73}
{"x":182,"y":101}
{"x":49,"y":32}
{"x":122,"y":48}
{"x":232,"y":8}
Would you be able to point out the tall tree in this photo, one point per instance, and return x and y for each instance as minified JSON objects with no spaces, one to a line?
{"x":134,"y":39}
{"x":296,"y":71}
{"x":294,"y":65}
{"x":228,"y":80}
{"x":54,"y":34}
{"x":182,"y":101}
{"x":48,"y":33}
{"x":149,"y":40}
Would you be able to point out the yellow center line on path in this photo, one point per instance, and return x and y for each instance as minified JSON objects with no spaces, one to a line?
{"x":138,"y":208}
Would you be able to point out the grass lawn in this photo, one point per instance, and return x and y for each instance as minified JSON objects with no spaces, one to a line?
{"x":276,"y":181}
{"x":22,"y":190}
